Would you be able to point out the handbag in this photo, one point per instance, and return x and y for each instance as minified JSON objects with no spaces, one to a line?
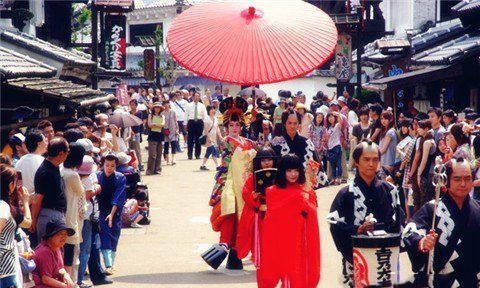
{"x":166,"y":132}
{"x":203,"y":139}
{"x":27,"y":266}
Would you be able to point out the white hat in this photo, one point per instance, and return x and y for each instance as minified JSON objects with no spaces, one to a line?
{"x":123,"y":158}
{"x":341,"y":98}
{"x":20,"y":137}
{"x":323,"y":109}
{"x":88,"y":145}
{"x":334,"y":102}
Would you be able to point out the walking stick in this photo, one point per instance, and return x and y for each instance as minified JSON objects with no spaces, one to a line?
{"x":439,"y":180}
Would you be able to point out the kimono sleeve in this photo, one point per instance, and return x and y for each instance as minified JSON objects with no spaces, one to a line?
{"x":119,"y":195}
{"x":247,"y":192}
{"x":412,"y":234}
{"x":341,"y":230}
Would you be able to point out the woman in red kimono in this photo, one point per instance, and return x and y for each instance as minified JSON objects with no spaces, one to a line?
{"x":290,"y":246}
{"x":226,"y":198}
{"x":249,"y":227}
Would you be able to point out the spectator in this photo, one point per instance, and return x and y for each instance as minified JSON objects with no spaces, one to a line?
{"x":110,"y":201}
{"x":334,"y":152}
{"x":376,"y":127}
{"x":459,"y":144}
{"x":5,"y":159}
{"x":171,"y":133}
{"x":270,"y":107}
{"x":47,"y":129}
{"x":134,"y":211}
{"x":28,"y":165}
{"x":9,"y":217}
{"x":123,"y":164}
{"x":307,"y":119}
{"x":426,"y":153}
{"x":317,"y":134}
{"x":352,"y":116}
{"x":388,"y":140}
{"x":317,"y":101}
{"x":134,"y":143}
{"x":156,"y":121}
{"x":449,"y":118}
{"x":180,"y":107}
{"x":217,"y":95}
{"x":50,"y":270}
{"x":435,"y":117}
{"x":49,"y":200}
{"x":212,"y":133}
{"x":196,"y":113}
{"x":72,"y":135}
{"x":17,"y":142}
{"x":277,"y":117}
{"x":76,"y":206}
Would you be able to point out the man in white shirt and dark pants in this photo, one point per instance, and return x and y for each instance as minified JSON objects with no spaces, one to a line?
{"x":196,"y":112}
{"x":179,"y":105}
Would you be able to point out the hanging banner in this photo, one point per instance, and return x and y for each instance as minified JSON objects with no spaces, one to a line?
{"x":343,"y":58}
{"x":115,"y":42}
{"x":149,"y":64}
{"x":122,"y":94}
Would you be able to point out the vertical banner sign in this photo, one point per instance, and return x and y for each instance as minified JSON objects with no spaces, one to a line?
{"x":343,"y":58}
{"x":122,"y":94}
{"x":115,"y":42}
{"x":149,"y":64}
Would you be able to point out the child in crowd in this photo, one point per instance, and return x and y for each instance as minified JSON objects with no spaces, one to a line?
{"x":135,"y":210}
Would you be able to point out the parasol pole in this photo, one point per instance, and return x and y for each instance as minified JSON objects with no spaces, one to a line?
{"x":439,"y":181}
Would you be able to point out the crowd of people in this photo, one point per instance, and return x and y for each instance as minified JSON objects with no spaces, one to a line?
{"x":67,"y":193}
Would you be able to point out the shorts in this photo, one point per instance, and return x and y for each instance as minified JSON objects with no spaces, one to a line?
{"x":211,"y":150}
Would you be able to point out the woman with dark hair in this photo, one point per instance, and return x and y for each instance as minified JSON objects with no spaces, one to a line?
{"x":426,"y":152}
{"x":155,"y":121}
{"x":388,"y":140}
{"x":459,"y":143}
{"x":290,"y":246}
{"x":249,"y":227}
{"x":10,"y":217}
{"x":334,"y":145}
{"x":292,"y":142}
{"x":317,"y":133}
{"x":76,"y":205}
{"x":226,"y":199}
{"x":449,"y":118}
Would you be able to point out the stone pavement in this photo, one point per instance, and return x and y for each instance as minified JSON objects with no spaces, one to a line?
{"x":167,"y":252}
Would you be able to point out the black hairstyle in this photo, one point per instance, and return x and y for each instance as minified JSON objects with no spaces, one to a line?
{"x":110,"y":157}
{"x":460,"y":137}
{"x":435,"y":110}
{"x":287,"y":162}
{"x":285,"y":93}
{"x":235,"y":117}
{"x":165,"y":102}
{"x":319,"y":95}
{"x":476,"y":146}
{"x":72,"y":125}
{"x":134,"y":101}
{"x":337,"y":119}
{"x":72,"y":135}
{"x":421,"y":116}
{"x":376,"y":108}
{"x":141,"y":196}
{"x":353,"y":104}
{"x":471,"y":116}
{"x":75,"y":157}
{"x":358,"y":150}
{"x":468,"y":110}
{"x":289,"y":112}
{"x":113,"y":101}
{"x":57,"y":145}
{"x":209,"y":108}
{"x":32,"y":139}
{"x":265,"y":152}
{"x":86,"y":121}
{"x":451,"y":114}
{"x":44,"y":124}
{"x":363,"y":111}
{"x":407,"y":122}
{"x":449,"y":168}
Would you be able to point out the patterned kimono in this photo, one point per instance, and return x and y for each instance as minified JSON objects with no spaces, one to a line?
{"x":456,"y":259}
{"x":349,"y":209}
{"x":305,"y":150}
{"x":226,"y":198}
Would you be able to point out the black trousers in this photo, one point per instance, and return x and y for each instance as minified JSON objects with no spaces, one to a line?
{"x":94,"y":265}
{"x":195,"y":130}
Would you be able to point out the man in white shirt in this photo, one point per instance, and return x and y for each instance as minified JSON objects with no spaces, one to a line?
{"x":195,"y":114}
{"x":179,"y":105}
{"x":28,"y":164}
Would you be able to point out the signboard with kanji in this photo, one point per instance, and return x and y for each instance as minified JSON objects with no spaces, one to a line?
{"x":149,"y":64}
{"x":115,"y":42}
{"x":343,"y":58}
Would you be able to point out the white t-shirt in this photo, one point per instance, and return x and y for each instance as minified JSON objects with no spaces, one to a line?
{"x":335,"y":132}
{"x":28,"y":165}
{"x":88,"y":184}
{"x":352,"y":120}
{"x":181,"y":114}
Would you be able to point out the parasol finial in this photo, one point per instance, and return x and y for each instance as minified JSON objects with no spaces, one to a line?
{"x":251,"y":11}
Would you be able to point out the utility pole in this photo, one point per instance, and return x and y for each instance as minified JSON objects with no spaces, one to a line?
{"x":94,"y":35}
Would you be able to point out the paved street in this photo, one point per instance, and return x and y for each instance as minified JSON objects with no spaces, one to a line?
{"x":167,"y":253}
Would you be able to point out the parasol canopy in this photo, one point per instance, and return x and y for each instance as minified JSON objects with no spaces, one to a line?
{"x":124,"y":120}
{"x":252,"y":42}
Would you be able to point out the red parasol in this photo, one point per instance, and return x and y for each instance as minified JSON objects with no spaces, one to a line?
{"x":252,"y":42}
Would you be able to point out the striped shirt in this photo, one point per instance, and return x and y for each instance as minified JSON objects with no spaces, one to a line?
{"x":7,"y":242}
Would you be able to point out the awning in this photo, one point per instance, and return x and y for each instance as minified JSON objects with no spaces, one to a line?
{"x":412,"y":78}
{"x":68,"y":93}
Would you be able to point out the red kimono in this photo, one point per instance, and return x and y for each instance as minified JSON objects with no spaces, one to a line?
{"x":249,"y":227}
{"x":290,"y":246}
